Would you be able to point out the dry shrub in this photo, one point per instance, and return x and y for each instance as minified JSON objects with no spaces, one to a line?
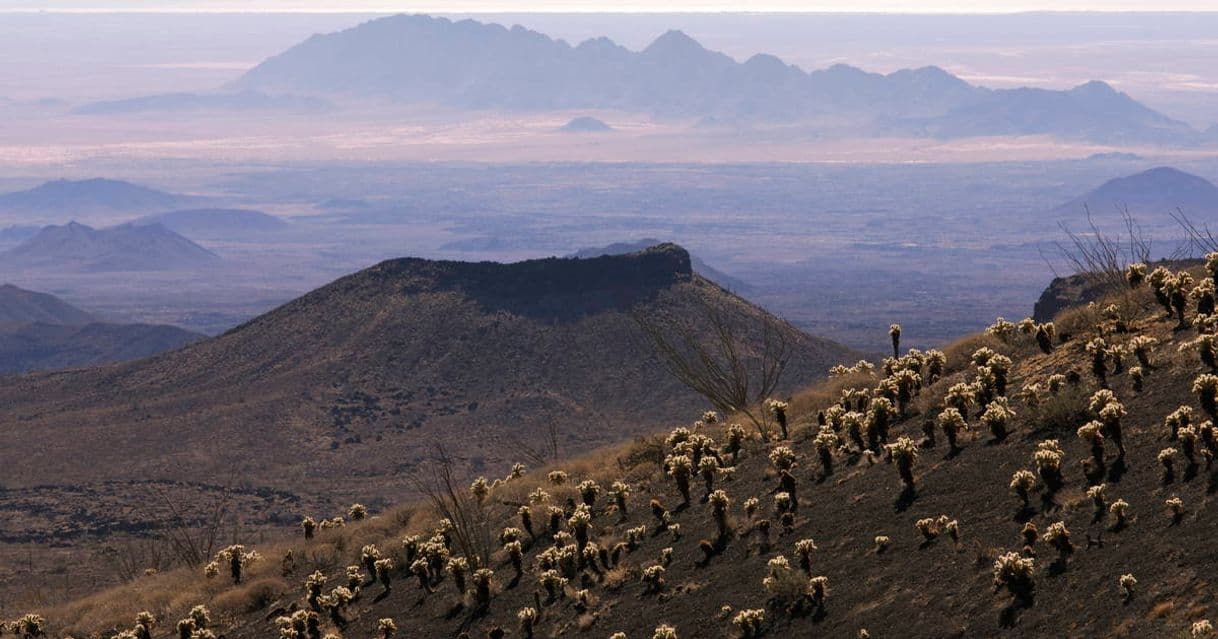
{"x":1060,"y":414}
{"x":251,"y":597}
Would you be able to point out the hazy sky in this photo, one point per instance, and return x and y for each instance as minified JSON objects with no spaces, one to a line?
{"x":454,"y":6}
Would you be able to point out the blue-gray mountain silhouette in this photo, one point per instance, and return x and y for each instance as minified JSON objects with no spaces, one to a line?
{"x":1158,"y":190}
{"x":128,"y":247}
{"x":472,"y":65}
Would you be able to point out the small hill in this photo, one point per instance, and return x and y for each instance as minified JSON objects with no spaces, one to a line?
{"x":38,"y":346}
{"x":19,"y":306}
{"x":369,"y":371}
{"x":585,"y":124}
{"x":700,"y":267}
{"x":467,"y":64}
{"x":216,"y":223}
{"x":72,"y":197}
{"x":1157,"y":190}
{"x":129,"y":247}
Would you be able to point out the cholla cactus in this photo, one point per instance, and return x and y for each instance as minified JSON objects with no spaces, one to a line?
{"x":1022,"y":483}
{"x":720,"y":501}
{"x":879,"y":416}
{"x":527,"y":617}
{"x":588,"y":491}
{"x":383,"y":571}
{"x":1110,"y":411}
{"x":621,"y":492}
{"x":308,"y":525}
{"x":1120,"y":508}
{"x":518,"y":471}
{"x":458,"y":568}
{"x":778,"y":409}
{"x":29,"y":626}
{"x":144,"y":622}
{"x":960,"y":396}
{"x":894,"y":333}
{"x":557,"y":477}
{"x":553,"y":582}
{"x":482,"y":587}
{"x":335,"y":522}
{"x":1058,"y":536}
{"x":749,"y":622}
{"x":904,"y":451}
{"x":952,"y":422}
{"x":1048,"y":458}
{"x":881,"y":544}
{"x":664,"y":632}
{"x":355,"y":579}
{"x":997,"y":417}
{"x":386,"y":627}
{"x":313,"y":585}
{"x":708,"y":467}
{"x":1098,"y":496}
{"x":1201,"y":628}
{"x":826,"y":441}
{"x":782,"y":458}
{"x":680,"y":468}
{"x":1166,"y":458}
{"x":735,"y":441}
{"x":1093,"y":433}
{"x":1135,"y":274}
{"x":1127,"y":582}
{"x":1002,"y":329}
{"x":653,"y":577}
{"x":929,"y":528}
{"x":1175,"y":506}
{"x":539,"y":497}
{"x":1206,"y":388}
{"x":804,"y":548}
{"x":357,"y":512}
{"x":368,"y":556}
{"x":480,"y":489}
{"x":1137,"y":377}
{"x":237,"y":558}
{"x":1098,"y":350}
{"x":1014,"y":572}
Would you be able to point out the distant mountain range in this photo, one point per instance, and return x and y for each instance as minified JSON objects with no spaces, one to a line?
{"x":472,"y":65}
{"x":73,"y":197}
{"x":185,"y":102}
{"x":41,"y":332}
{"x":367,"y":372}
{"x":1158,"y":190}
{"x":129,"y":247}
{"x":215,"y":223}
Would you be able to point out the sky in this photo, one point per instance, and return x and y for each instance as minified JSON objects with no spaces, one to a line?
{"x":463,"y":6}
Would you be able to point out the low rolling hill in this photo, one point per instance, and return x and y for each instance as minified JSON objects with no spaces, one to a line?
{"x":128,"y":247}
{"x":1156,"y":191}
{"x":42,"y":332}
{"x":216,"y":223}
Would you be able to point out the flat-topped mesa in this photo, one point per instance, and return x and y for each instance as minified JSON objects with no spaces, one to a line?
{"x":556,"y":288}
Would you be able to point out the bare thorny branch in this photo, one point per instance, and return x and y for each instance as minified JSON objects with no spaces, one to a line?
{"x":471,"y":524}
{"x":710,"y":355}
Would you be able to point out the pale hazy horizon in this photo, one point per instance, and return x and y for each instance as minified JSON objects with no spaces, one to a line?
{"x":620,"y":6}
